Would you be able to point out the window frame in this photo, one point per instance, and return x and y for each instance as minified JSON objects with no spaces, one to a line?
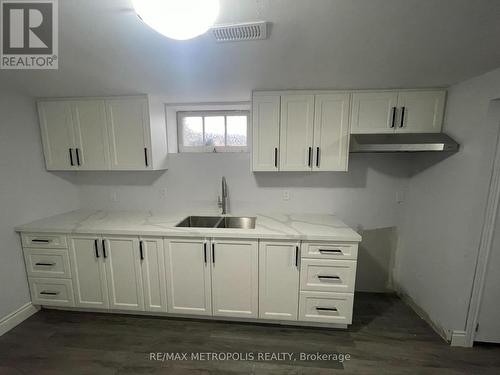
{"x":180,"y":115}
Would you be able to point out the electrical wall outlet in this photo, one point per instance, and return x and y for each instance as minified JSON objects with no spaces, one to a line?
{"x":163,"y":193}
{"x":114,"y":196}
{"x":286,"y":195}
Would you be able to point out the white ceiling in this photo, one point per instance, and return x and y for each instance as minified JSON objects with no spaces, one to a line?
{"x":105,"y":49}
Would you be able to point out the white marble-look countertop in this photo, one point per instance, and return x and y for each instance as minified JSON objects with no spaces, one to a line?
{"x":145,"y":223}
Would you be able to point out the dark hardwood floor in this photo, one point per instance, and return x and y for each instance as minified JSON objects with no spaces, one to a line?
{"x":387,"y":337}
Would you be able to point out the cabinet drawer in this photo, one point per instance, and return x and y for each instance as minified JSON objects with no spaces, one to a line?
{"x":51,"y":292}
{"x":326,"y":307}
{"x":47,"y":262}
{"x":327,"y":275}
{"x":329,"y":250}
{"x":46,"y":240}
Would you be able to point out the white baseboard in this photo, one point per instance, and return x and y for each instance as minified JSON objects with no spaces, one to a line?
{"x":20,"y":315}
{"x":458,"y":338}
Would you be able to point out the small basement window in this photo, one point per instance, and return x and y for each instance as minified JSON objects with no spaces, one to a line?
{"x":212,"y":131}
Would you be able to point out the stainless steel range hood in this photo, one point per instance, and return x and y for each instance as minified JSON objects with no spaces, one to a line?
{"x":423,"y":142}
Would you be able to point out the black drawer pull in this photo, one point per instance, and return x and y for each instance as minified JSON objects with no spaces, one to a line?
{"x":104,"y":249}
{"x":141,"y":250}
{"x":47,"y":293}
{"x":330,"y":251}
{"x":96,"y":247}
{"x":77,"y":156}
{"x":334,"y":309}
{"x":146,"y":157}
{"x":40,"y":241}
{"x":213,"y":253}
{"x":309,"y":160}
{"x":317,"y":157}
{"x":71,"y":157}
{"x":403,"y":110}
{"x":296,"y":256}
{"x":393,"y":121}
{"x":205,"y":252}
{"x":329,"y":277}
{"x":45,"y":264}
{"x":276,"y":157}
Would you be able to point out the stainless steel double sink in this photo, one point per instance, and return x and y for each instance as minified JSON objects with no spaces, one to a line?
{"x":234,"y":222}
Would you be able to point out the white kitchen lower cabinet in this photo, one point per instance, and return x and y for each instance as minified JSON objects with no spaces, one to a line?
{"x":187,"y":269}
{"x":293,"y":281}
{"x":89,"y":272}
{"x":235,"y":278}
{"x":123,"y":273}
{"x":153,"y":274}
{"x":279,"y":279}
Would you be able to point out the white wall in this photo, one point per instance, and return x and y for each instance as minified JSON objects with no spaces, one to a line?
{"x":364,"y":198}
{"x":445,"y":208}
{"x":27,"y":192}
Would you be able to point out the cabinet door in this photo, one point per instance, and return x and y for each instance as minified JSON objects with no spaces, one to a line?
{"x":374,"y":112}
{"x":123,"y":273}
{"x":235,"y":278}
{"x":153,"y":274}
{"x":331,"y":132}
{"x":58,"y":138}
{"x":129,"y":133}
{"x":278,"y":280}
{"x":296,"y":132}
{"x":266,"y":132}
{"x":423,"y":111}
{"x":91,"y":133}
{"x":89,"y":274}
{"x":188,"y":276}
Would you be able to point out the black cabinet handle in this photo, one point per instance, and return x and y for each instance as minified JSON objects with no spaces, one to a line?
{"x":146,"y":156}
{"x":96,"y":247}
{"x":45,"y":264}
{"x":77,"y":156}
{"x":330,"y":251}
{"x":40,"y":241}
{"x":393,"y":121}
{"x":402,"y":123}
{"x":205,"y":252}
{"x":141,"y":250}
{"x":71,"y":157}
{"x":310,"y":157}
{"x":213,"y":253}
{"x":328,"y":277}
{"x":104,"y":249}
{"x":296,"y":256}
{"x":317,"y":157}
{"x":326,"y":308}
{"x":45,"y":292}
{"x":276,"y":157}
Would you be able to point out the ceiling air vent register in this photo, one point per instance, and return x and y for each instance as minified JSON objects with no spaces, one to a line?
{"x":240,"y":32}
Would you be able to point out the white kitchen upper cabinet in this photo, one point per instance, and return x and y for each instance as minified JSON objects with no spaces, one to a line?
{"x":58,"y":136}
{"x":89,"y":273}
{"x":89,"y":117}
{"x":119,"y":133}
{"x":266,"y":132}
{"x":123,"y":272}
{"x":129,"y":133}
{"x":279,"y":280}
{"x":420,"y":111}
{"x":235,"y":278}
{"x":153,"y":274}
{"x":187,"y":266}
{"x":296,"y":132}
{"x":374,"y":112}
{"x":331,"y":132}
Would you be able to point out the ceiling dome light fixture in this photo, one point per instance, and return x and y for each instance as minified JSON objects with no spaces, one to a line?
{"x":178,"y":19}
